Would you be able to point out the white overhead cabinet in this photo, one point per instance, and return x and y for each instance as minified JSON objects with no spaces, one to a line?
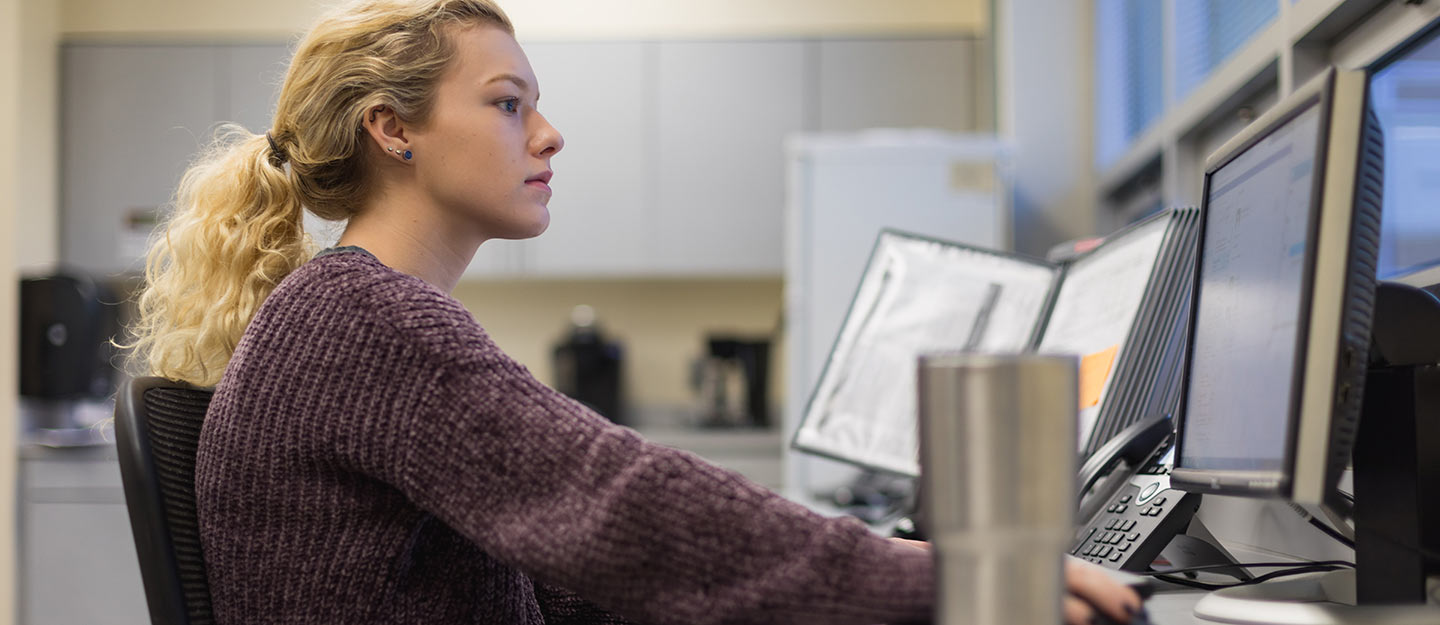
{"x":133,"y":116}
{"x":897,"y":83}
{"x":595,"y":95}
{"x":673,"y":165}
{"x":252,"y":77}
{"x":724,"y":111}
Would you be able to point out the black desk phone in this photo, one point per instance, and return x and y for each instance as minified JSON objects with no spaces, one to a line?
{"x":1131,"y":515}
{"x":1138,"y":521}
{"x":1127,"y":511}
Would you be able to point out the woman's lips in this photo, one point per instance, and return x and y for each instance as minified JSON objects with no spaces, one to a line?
{"x":541,"y":181}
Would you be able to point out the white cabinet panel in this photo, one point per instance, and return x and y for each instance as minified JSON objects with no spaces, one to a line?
{"x":77,"y":553}
{"x":724,"y":111}
{"x":252,"y":86}
{"x":897,"y":84}
{"x":132,"y":118}
{"x":596,"y":95}
{"x":86,"y":570}
{"x":673,"y":162}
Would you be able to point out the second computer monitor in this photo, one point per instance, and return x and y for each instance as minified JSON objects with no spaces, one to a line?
{"x":1280,"y":323}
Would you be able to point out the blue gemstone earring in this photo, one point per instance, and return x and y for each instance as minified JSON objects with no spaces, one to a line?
{"x":408,"y":155}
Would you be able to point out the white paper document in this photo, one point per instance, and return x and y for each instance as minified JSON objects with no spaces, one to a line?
{"x":1097,"y":303}
{"x":917,"y":296}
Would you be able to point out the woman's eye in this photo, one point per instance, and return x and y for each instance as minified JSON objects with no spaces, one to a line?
{"x":510,"y":106}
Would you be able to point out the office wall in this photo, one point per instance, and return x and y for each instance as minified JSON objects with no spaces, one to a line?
{"x":553,"y":19}
{"x":12,"y":29}
{"x":36,"y":234}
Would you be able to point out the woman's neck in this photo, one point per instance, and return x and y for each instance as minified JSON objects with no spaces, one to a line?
{"x":409,"y":237}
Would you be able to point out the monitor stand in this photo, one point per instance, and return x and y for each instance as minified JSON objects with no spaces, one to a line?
{"x":1397,"y":491}
{"x":1318,"y":599}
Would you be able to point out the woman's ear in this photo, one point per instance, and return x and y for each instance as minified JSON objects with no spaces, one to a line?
{"x":387,"y":131}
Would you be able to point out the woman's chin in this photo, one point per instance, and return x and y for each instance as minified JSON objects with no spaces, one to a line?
{"x":527,"y":229}
{"x":540,"y":225}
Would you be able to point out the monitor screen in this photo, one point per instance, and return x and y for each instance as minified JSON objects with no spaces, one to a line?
{"x":1247,"y":325}
{"x":1405,"y":95}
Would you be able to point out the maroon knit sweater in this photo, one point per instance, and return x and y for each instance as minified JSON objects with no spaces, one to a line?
{"x":371,"y":456}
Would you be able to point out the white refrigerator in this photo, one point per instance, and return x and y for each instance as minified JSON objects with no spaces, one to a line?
{"x":842,"y":190}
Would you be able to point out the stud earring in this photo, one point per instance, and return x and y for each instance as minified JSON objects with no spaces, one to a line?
{"x":390,"y":149}
{"x":408,"y":155}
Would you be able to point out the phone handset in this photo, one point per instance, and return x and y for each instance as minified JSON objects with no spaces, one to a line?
{"x":1131,"y":448}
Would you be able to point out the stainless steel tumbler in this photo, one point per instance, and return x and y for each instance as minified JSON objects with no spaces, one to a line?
{"x":998,"y":464}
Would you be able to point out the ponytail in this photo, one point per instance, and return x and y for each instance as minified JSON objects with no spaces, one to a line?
{"x":236,"y":229}
{"x":235,"y":233}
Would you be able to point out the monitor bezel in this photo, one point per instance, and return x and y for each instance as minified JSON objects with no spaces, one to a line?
{"x":1319,"y":334}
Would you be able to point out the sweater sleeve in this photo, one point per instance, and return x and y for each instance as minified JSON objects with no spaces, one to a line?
{"x":562,"y":607}
{"x":655,"y":534}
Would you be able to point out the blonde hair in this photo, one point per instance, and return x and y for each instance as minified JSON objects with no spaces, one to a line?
{"x":235,"y":231}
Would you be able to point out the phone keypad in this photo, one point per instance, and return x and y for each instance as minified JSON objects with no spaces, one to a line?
{"x":1136,"y":524}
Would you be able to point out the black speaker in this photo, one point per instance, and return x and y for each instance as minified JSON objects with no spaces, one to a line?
{"x":66,"y":323}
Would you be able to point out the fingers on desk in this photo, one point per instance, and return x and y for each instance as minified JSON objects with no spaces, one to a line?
{"x":1116,"y":601}
{"x":1077,"y":612}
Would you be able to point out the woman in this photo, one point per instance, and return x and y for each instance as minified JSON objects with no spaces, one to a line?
{"x":370,"y":455}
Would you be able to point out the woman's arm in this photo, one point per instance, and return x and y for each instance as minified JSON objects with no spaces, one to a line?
{"x":656,"y":534}
{"x":562,"y":607}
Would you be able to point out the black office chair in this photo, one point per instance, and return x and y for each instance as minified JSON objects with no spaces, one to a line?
{"x":157,"y":430}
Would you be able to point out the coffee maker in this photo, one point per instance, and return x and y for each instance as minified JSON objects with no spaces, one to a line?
{"x":588,"y":366}
{"x":733,"y":382}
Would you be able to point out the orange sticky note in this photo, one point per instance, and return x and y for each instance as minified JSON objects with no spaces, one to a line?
{"x":1094,"y":369}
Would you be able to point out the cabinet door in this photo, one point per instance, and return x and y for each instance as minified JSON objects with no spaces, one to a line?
{"x":77,"y":553}
{"x":896,"y":83}
{"x":253,"y":76}
{"x":595,"y":95}
{"x":724,"y":111}
{"x":132,"y":117}
{"x":82,"y":566}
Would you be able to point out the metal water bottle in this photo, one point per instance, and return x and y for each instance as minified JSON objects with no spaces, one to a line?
{"x":998,"y":454}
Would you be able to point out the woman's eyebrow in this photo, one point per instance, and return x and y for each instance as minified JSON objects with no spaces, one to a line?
{"x":519,"y":82}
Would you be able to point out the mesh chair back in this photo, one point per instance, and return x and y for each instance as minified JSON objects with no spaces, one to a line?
{"x":157,"y":430}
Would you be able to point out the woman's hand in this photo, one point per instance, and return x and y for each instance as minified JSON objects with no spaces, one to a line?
{"x":914,"y":544}
{"x":1090,"y":590}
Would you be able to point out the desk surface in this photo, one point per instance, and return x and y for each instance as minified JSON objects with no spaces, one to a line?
{"x":1174,"y":607}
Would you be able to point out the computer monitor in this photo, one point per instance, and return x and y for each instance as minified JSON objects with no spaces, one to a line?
{"x":1280,"y":342}
{"x":1280,"y":322}
{"x":1403,"y":91}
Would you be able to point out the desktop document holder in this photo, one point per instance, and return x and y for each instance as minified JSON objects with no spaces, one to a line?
{"x":1122,"y":307}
